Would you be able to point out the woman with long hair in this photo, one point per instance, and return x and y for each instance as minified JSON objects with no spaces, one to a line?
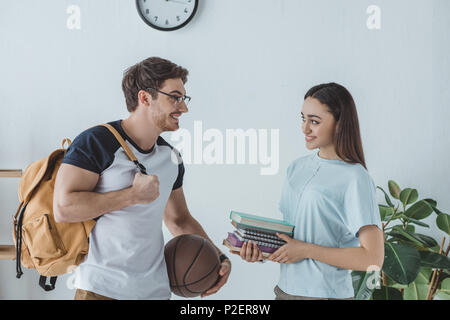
{"x":330,"y":198}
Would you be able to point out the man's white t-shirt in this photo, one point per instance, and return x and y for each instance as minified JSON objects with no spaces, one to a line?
{"x":126,"y":247}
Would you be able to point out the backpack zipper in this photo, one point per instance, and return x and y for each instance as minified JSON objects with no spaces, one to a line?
{"x":59,"y":243}
{"x":48,"y":221}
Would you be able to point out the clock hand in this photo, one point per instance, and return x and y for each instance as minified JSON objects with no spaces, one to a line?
{"x":180,"y":2}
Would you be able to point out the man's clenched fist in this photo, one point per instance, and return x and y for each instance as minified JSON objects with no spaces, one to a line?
{"x":145,"y":188}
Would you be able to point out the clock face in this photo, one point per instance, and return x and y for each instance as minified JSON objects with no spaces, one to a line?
{"x":167,"y":15}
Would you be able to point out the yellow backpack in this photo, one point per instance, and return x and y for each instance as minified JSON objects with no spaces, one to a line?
{"x":51,"y":248}
{"x":41,"y":243}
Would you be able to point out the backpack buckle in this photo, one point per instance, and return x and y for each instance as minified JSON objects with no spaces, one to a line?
{"x":140,"y":167}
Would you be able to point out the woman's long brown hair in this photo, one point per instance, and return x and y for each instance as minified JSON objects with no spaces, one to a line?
{"x":347,"y":137}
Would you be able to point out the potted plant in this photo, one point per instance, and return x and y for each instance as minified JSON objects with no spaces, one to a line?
{"x":416,"y":266}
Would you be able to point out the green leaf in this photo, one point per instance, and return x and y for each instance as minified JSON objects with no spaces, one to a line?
{"x":385,"y":211}
{"x":408,"y":236}
{"x":419,"y":210}
{"x":433,"y":204}
{"x":398,"y":237}
{"x":443,"y":222}
{"x":360,"y":280}
{"x":428,"y":241}
{"x":424,"y":276}
{"x":416,"y":291}
{"x":401,"y":262}
{"x":444,"y":291}
{"x":386,"y":197}
{"x":394,"y":189}
{"x":386,"y":293}
{"x":394,"y":217}
{"x":434,"y":260}
{"x":410,"y":229}
{"x":415,"y":239}
{"x":393,"y":284}
{"x":435,"y":249}
{"x":411,"y":220}
{"x":408,"y":196}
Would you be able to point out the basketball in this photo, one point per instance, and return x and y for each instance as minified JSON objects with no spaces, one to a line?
{"x":192,"y":265}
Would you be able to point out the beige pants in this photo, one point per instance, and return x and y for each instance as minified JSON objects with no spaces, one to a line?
{"x":89,"y":295}
{"x":281,"y":295}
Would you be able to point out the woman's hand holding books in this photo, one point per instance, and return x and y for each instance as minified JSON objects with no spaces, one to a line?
{"x":250,"y":252}
{"x":293,"y":251}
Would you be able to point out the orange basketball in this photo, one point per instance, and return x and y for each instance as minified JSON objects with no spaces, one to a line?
{"x":193,"y":265}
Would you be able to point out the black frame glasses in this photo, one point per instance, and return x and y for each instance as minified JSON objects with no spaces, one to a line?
{"x":178,"y":99}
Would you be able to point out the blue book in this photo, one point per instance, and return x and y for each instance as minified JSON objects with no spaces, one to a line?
{"x":264,"y":224}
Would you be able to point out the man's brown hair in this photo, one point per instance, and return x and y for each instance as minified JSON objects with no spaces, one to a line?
{"x":149,"y":73}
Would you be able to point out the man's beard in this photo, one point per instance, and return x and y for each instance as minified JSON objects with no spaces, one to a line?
{"x":164,"y":122}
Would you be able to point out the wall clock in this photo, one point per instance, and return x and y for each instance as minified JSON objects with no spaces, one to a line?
{"x":167,"y":15}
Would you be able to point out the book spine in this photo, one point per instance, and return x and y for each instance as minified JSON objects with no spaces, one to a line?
{"x":258,"y":236}
{"x":234,"y":240}
{"x":234,"y":215}
{"x":260,"y":229}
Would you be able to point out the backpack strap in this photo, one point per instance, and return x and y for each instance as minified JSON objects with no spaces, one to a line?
{"x":69,"y":142}
{"x":18,"y":232}
{"x":126,"y":148}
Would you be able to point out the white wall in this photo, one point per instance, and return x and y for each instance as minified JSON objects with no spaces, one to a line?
{"x":250,"y":64}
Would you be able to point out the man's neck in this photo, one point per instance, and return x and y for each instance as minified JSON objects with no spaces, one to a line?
{"x":143,"y":134}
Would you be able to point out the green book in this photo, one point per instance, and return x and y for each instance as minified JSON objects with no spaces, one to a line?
{"x":247,"y":220}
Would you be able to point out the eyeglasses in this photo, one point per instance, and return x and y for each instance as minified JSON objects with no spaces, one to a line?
{"x":177,"y":99}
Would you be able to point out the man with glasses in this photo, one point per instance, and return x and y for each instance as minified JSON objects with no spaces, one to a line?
{"x":98,"y":181}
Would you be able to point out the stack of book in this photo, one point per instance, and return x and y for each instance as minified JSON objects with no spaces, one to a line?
{"x":260,"y":230}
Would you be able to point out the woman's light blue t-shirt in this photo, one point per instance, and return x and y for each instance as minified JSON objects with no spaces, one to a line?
{"x":328,"y":201}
